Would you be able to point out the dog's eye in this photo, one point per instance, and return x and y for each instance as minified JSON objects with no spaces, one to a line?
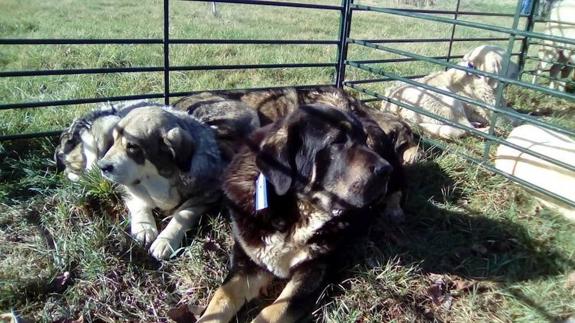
{"x":132,"y":148}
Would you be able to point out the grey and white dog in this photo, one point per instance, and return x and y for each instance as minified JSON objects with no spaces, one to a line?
{"x":164,"y":159}
{"x":89,"y":137}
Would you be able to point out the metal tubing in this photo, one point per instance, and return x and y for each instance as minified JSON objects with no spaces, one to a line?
{"x":275,"y":4}
{"x":158,"y":69}
{"x":464,"y":23}
{"x":535,"y":58}
{"x":510,"y":113}
{"x":434,"y":40}
{"x":489,"y":137}
{"x":344,"y":30}
{"x":525,"y":42}
{"x":452,"y":31}
{"x":160,"y":41}
{"x":468,"y":70}
{"x":248,"y":66}
{"x":504,"y":70}
{"x":166,"y":51}
{"x":28,"y":105}
{"x":489,"y":167}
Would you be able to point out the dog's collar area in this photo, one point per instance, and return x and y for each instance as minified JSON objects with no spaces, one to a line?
{"x":261,"y":193}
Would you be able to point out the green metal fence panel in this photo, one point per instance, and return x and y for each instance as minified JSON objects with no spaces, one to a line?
{"x":385,"y":73}
{"x":525,"y":37}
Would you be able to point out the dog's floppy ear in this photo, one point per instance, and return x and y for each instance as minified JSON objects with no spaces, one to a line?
{"x":274,"y":161}
{"x":181,"y":145}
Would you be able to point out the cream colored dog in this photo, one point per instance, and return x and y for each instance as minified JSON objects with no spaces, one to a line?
{"x":167,"y":160}
{"x":452,"y":80}
{"x":489,"y":59}
{"x":537,"y":171}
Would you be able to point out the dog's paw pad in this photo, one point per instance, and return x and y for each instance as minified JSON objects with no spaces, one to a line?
{"x":145,"y":234}
{"x":163,"y":248}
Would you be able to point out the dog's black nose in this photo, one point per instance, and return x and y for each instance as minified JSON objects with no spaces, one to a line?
{"x":59,"y":158}
{"x":106,"y":167}
{"x":383,"y":169}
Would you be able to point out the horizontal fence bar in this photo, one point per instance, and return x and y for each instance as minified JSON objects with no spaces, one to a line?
{"x":305,"y":86}
{"x":509,"y":113}
{"x":252,"y":42}
{"x":534,"y":73}
{"x":450,"y":12}
{"x":435,"y":40}
{"x":191,"y":41}
{"x":401,"y":60}
{"x":493,"y":169}
{"x":28,"y":105}
{"x":247,"y":66}
{"x":81,"y":71}
{"x":30,"y":135}
{"x":466,"y":69}
{"x":464,"y":23}
{"x":555,"y":45}
{"x":275,"y":4}
{"x":139,"y":97}
{"x":111,"y":41}
{"x":460,"y":126}
{"x":385,"y":79}
{"x":535,"y":58}
{"x":556,"y":22}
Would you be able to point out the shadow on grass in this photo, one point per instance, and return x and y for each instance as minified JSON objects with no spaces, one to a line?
{"x":466,"y":243}
{"x":446,"y":242}
{"x":26,"y":169}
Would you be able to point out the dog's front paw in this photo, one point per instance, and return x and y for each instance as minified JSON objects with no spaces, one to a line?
{"x":163,"y":248}
{"x":144,"y":233}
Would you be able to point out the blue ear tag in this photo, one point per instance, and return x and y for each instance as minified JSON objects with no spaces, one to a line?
{"x":469,"y":65}
{"x":261,"y":193}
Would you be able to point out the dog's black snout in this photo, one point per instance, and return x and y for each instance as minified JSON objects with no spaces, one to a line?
{"x":382,"y":169}
{"x":106,"y":167}
{"x":59,"y":158}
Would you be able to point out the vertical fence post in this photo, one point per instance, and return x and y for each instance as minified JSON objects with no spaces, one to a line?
{"x":166,"y":42}
{"x":525,"y":42}
{"x":344,"y":29}
{"x":501,"y":84}
{"x":452,"y":32}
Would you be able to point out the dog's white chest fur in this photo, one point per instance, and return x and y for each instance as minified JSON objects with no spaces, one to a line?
{"x":283,"y":251}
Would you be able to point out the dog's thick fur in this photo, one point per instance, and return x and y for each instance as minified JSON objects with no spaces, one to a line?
{"x":326,"y":170}
{"x":274,"y":104}
{"x":490,"y":59}
{"x":452,"y":80}
{"x":89,"y":137}
{"x":231,"y":120}
{"x":164,"y":159}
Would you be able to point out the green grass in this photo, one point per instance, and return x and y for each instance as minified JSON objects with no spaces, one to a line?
{"x":474,"y":248}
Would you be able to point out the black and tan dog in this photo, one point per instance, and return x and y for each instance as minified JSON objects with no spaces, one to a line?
{"x":299,"y":191}
{"x":274,"y":104}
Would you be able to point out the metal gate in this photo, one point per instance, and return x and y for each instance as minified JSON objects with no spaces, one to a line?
{"x":519,"y":34}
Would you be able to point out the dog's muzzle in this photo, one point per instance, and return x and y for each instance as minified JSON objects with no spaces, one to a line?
{"x":59,"y":159}
{"x":106,"y":167}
